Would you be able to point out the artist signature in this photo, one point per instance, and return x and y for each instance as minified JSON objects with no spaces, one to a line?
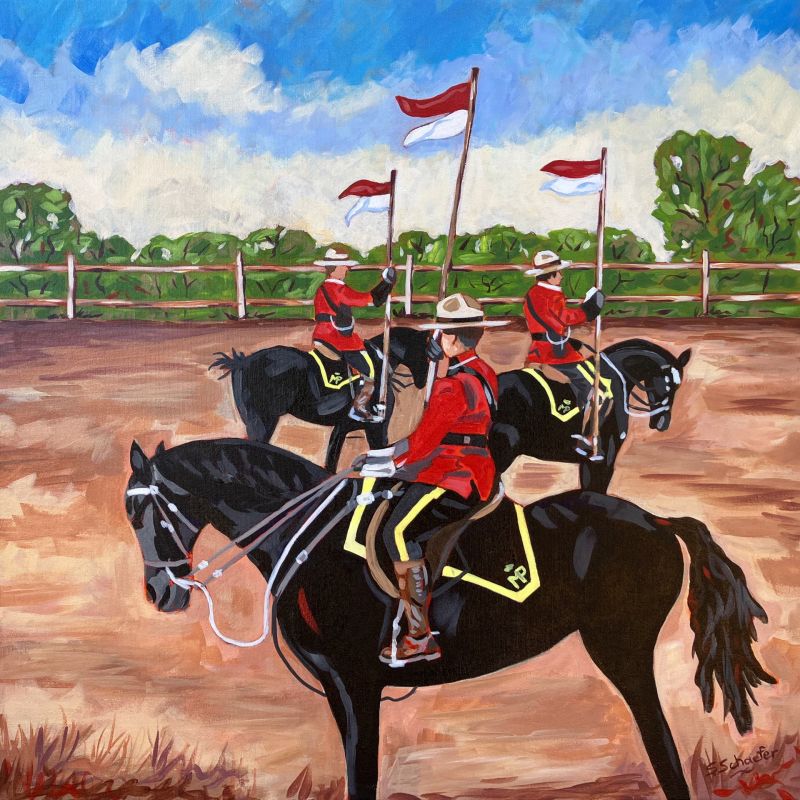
{"x":758,"y":771}
{"x":739,"y":762}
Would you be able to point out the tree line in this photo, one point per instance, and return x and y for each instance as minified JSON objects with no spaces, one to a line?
{"x":704,"y":204}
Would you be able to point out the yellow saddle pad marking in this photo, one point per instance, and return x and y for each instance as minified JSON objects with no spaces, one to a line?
{"x":524,"y":580}
{"x":335,"y":380}
{"x":586,"y":368}
{"x":529,"y":582}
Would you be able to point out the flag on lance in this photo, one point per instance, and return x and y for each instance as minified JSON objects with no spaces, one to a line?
{"x":372,"y":196}
{"x":574,"y":178}
{"x":453,"y":104}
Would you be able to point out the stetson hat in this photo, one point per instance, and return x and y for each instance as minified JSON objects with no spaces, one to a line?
{"x":336,"y":258}
{"x":546,"y":261}
{"x":460,"y":311}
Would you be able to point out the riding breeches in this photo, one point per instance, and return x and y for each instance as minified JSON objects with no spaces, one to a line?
{"x":421,"y":510}
{"x":360,"y":361}
{"x":581,"y":387}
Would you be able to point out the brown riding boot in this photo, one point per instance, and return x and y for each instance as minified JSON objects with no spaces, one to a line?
{"x":361,"y":403}
{"x":418,"y":644}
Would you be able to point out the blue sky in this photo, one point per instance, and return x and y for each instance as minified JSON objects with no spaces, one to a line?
{"x":67,"y":64}
{"x":309,"y":86}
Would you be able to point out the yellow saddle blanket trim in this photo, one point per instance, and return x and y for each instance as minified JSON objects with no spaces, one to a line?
{"x":586,"y":368}
{"x":335,"y":380}
{"x":526,"y":580}
{"x":530,"y":582}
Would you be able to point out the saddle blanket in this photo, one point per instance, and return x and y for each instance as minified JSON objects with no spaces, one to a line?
{"x":494,"y":553}
{"x":334,"y":373}
{"x":563,"y":405}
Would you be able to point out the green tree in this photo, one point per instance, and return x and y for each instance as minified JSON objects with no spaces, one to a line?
{"x":699,"y":177}
{"x":766,"y":215}
{"x":37,"y":223}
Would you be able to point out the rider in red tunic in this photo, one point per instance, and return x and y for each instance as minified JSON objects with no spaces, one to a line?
{"x":550,"y":321}
{"x":446,"y":462}
{"x":335,"y":326}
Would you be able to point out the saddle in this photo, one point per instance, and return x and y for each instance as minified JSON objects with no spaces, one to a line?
{"x":508,"y":568}
{"x":557,"y":389}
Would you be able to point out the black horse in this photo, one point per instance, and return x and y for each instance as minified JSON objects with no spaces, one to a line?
{"x":537,"y":417}
{"x":588,"y":556}
{"x":284,"y":380}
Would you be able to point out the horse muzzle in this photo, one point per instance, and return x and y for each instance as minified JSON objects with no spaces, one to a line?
{"x":164,"y":594}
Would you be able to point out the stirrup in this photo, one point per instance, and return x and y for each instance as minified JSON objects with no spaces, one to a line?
{"x":425,"y":649}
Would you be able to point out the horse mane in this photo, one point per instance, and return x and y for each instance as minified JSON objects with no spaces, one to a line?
{"x":642,"y":347}
{"x":256,"y":466}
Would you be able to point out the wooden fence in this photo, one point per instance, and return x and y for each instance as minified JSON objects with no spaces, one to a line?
{"x":409,"y":298}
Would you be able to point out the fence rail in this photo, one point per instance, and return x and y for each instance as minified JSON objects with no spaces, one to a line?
{"x":239,"y":270}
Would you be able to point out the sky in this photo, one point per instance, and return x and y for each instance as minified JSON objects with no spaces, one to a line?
{"x":229,"y":115}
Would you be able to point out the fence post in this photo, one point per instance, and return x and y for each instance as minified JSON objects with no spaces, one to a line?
{"x":241,"y":296}
{"x":409,"y":283}
{"x":705,"y":282}
{"x":71,"y":286}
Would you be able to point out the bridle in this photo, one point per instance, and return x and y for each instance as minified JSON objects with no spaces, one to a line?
{"x":159,"y":501}
{"x":641,"y":405}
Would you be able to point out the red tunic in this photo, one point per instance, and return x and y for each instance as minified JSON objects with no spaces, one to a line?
{"x":339,"y":293}
{"x":551,"y":305}
{"x":458,"y":405}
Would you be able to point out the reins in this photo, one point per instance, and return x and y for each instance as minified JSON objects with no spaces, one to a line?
{"x":642,"y":407}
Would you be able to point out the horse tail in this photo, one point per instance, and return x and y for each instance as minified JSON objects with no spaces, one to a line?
{"x":230,"y":364}
{"x":722,"y":613}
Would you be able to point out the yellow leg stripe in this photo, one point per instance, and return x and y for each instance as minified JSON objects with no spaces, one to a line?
{"x":368,"y":359}
{"x":586,"y":368}
{"x":350,"y":543}
{"x":425,"y":500}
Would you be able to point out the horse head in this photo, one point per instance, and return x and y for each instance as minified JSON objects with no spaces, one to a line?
{"x":662,"y":388}
{"x":165,"y":534}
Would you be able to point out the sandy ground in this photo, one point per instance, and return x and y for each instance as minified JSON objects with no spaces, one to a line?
{"x":79,"y":640}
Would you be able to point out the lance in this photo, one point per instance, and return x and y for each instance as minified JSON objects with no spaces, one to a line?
{"x":451,"y":235}
{"x":387,"y":320}
{"x":598,"y":282}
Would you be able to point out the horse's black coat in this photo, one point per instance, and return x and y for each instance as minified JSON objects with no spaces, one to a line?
{"x":616,"y":593}
{"x":525,"y":425}
{"x":283,"y":380}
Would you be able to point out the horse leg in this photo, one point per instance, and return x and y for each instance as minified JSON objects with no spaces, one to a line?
{"x":355,"y":705}
{"x":632,"y":674}
{"x":335,"y":444}
{"x":595,"y":476}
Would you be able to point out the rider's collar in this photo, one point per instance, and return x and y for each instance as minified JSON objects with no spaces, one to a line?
{"x":333,"y":280}
{"x":550,"y":286}
{"x":461,"y":359}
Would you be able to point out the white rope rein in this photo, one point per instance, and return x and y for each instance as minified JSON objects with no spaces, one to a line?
{"x":301,"y":557}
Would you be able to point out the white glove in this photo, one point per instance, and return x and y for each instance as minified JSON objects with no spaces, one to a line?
{"x":379,"y":464}
{"x":591,"y":293}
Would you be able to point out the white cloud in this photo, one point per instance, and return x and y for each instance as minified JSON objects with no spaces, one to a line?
{"x":209,"y":69}
{"x":138,"y":187}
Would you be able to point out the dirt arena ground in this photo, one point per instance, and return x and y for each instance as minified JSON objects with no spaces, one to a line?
{"x":79,"y":640}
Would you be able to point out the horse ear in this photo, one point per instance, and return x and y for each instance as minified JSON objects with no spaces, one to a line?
{"x":683,"y":358}
{"x":160,"y":448}
{"x":140,"y":463}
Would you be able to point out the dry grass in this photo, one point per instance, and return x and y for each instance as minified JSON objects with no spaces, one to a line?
{"x":76,"y":762}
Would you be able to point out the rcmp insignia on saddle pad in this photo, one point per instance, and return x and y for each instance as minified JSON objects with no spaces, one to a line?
{"x":509,"y":570}
{"x":334,"y":373}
